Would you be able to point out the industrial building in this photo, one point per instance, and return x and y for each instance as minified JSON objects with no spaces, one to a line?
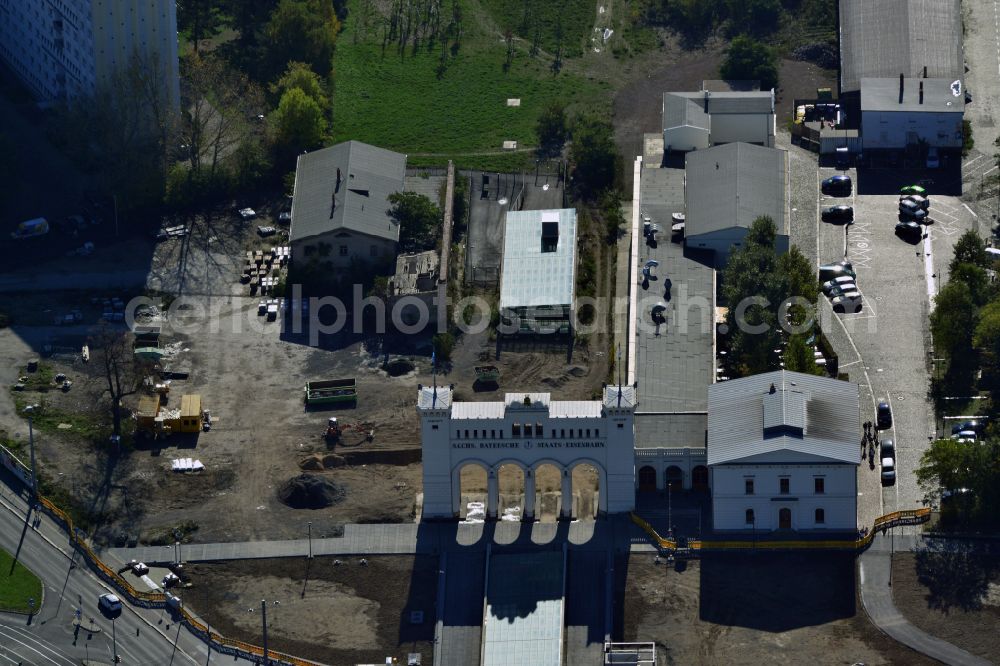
{"x":783,"y":453}
{"x":727,"y":188}
{"x":63,"y":50}
{"x":901,"y":112}
{"x":697,"y":120}
{"x":538,"y":275}
{"x":340,"y":206}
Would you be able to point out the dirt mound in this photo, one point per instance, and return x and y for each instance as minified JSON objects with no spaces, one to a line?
{"x":311,"y":464}
{"x":333,"y":460}
{"x":318,"y":463}
{"x":310,"y":491}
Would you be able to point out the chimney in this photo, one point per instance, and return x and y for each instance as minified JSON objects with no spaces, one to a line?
{"x":921,"y":92}
{"x":900,"y":88}
{"x":337,"y":188}
{"x":925,"y":71}
{"x":707,"y":95}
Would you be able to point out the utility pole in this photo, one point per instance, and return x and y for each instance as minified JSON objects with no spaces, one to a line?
{"x":114,"y":642}
{"x":263,"y":617}
{"x":670,"y":512}
{"x":892,"y":550}
{"x":310,"y":539}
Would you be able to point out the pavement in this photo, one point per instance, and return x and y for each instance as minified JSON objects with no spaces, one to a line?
{"x":49,"y":638}
{"x":876,"y":596}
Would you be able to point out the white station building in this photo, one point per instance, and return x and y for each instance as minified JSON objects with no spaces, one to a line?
{"x":527,"y":430}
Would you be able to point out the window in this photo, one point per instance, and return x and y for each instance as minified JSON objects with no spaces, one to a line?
{"x":562,"y":433}
{"x":749,"y":517}
{"x":783,"y":485}
{"x":493,"y":434}
{"x":343,"y":250}
{"x":434,"y":427}
{"x":515,"y":430}
{"x":597,"y":432}
{"x":475,"y":433}
{"x":374,"y":251}
{"x":819,"y":485}
{"x":621,"y":426}
{"x":820,"y":516}
{"x":538,"y":430}
{"x":748,"y":486}
{"x":467,"y":434}
{"x":527,"y":430}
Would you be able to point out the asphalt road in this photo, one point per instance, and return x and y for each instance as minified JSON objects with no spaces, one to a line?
{"x":49,"y":638}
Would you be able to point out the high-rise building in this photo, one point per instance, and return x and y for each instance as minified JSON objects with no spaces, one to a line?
{"x":65,"y":49}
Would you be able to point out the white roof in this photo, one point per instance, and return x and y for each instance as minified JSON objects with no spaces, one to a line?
{"x":540,"y":403}
{"x":531,"y":277}
{"x":807,"y":419}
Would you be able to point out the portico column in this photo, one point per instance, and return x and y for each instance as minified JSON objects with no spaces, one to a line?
{"x":492,"y":495}
{"x":566,"y":510}
{"x":529,"y":495}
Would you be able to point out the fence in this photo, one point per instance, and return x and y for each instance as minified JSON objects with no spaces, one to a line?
{"x":882,"y":523}
{"x":215,"y":640}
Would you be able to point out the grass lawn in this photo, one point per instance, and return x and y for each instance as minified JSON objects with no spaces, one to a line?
{"x":546,"y":20}
{"x":399,"y":102}
{"x":18,"y":586}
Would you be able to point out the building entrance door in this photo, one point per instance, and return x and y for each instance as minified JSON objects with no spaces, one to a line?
{"x":785,"y":519}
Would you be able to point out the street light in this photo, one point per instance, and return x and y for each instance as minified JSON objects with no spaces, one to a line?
{"x":310,"y":539}
{"x":670,"y":506}
{"x":114,"y":643}
{"x":263,"y":620}
{"x":892,"y":550}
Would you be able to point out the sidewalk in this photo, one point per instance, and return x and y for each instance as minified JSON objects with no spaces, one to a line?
{"x":876,"y":596}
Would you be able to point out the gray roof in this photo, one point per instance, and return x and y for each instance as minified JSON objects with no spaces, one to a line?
{"x":529,"y":276}
{"x":733,"y":184}
{"x":886,"y":38}
{"x":674,"y":369}
{"x":939,"y":97}
{"x":368,"y":176}
{"x":671,"y":431}
{"x":694,"y":108}
{"x":806,"y":419}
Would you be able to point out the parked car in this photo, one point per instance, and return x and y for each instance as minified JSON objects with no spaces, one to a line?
{"x":848,"y":303}
{"x":883,"y":415}
{"x":888,"y":472}
{"x":247,"y":213}
{"x":965,"y":436}
{"x":974,"y":425}
{"x":831,"y":271}
{"x":262,"y":308}
{"x":918,"y":199}
{"x":933,"y":158}
{"x":888,"y":448}
{"x":909,"y":228}
{"x":838,"y":185}
{"x":285,"y":217}
{"x":109,"y":604}
{"x":912,"y":210}
{"x":913,"y":189}
{"x":837,"y":283}
{"x":838,"y":214}
{"x":264,"y":232}
{"x":843,"y":290}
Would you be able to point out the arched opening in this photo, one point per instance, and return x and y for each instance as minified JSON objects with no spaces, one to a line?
{"x":510,"y":478}
{"x":472,"y":493}
{"x":647,"y":479}
{"x":675,"y":478}
{"x":586,"y":491}
{"x":699,"y":478}
{"x":785,"y":519}
{"x":548,"y":492}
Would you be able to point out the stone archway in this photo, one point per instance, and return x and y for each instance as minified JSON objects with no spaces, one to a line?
{"x":647,"y":479}
{"x":586,"y":491}
{"x":674,"y":477}
{"x":699,"y":478}
{"x":472,"y":490}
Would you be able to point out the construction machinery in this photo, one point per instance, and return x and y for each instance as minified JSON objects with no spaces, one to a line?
{"x":487,"y":374}
{"x":335,"y":431}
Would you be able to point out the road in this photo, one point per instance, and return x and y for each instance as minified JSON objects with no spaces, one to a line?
{"x":50,"y":639}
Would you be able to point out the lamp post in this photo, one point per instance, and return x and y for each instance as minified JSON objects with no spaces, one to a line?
{"x":114,"y":643}
{"x":29,"y":410}
{"x":263,"y":620}
{"x":892,"y":550}
{"x":670,"y":511}
{"x":310,"y":525}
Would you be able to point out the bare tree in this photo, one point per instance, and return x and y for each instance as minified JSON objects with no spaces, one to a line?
{"x":124,"y":373}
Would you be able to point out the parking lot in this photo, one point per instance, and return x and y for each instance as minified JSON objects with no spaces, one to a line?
{"x":886,"y":347}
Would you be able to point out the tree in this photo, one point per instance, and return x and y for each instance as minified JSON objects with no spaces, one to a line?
{"x":970,"y":249}
{"x":419,"y":221}
{"x":202,"y":19}
{"x":953,"y":321}
{"x":551,"y":129}
{"x":949,"y":464}
{"x":248,"y":17}
{"x":298,"y":123}
{"x":595,"y":158}
{"x":976,"y":279}
{"x":759,"y":17}
{"x":122,"y":371}
{"x":749,"y":59}
{"x":799,"y":357}
{"x":302,"y":31}
{"x":300,"y":75}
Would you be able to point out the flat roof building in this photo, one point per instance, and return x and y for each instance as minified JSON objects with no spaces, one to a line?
{"x":538,"y":275}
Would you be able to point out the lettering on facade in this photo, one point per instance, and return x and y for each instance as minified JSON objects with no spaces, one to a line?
{"x":528,"y":445}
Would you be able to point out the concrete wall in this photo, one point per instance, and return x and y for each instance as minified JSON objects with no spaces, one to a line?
{"x":357,"y":246}
{"x":730,"y":502}
{"x":685,"y":138}
{"x":746,"y":127}
{"x":894,"y":130}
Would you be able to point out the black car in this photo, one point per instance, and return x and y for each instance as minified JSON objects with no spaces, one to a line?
{"x":831,"y":271}
{"x":974,"y":426}
{"x":838,"y":185}
{"x":883,"y":416}
{"x":909,"y":228}
{"x":838,"y":214}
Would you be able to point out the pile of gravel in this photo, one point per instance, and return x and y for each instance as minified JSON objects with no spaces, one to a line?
{"x":310,"y":491}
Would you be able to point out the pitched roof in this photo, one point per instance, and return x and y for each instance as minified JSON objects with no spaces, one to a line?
{"x":680,"y":111}
{"x":359,"y":203}
{"x":695,"y":108}
{"x":732,"y":185}
{"x":938,"y":97}
{"x":806,"y":419}
{"x":886,"y":38}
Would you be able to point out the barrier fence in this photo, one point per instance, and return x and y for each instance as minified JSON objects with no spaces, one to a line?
{"x":216,"y":641}
{"x":881,"y":524}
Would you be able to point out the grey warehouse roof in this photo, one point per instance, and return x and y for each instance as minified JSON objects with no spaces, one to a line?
{"x":694,"y":108}
{"x":360,"y":203}
{"x":883,"y":95}
{"x":886,"y":38}
{"x":734,"y":184}
{"x":529,"y":276}
{"x":807,"y":418}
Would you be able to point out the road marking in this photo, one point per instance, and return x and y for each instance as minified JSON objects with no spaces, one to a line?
{"x":973,"y":161}
{"x":47,"y":659}
{"x":44,"y":645}
{"x":929,"y":270}
{"x":970,"y":210}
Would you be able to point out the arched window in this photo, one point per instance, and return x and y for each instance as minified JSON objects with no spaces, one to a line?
{"x":750,"y":518}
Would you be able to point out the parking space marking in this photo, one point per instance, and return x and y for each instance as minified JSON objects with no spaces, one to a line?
{"x":929,"y":270}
